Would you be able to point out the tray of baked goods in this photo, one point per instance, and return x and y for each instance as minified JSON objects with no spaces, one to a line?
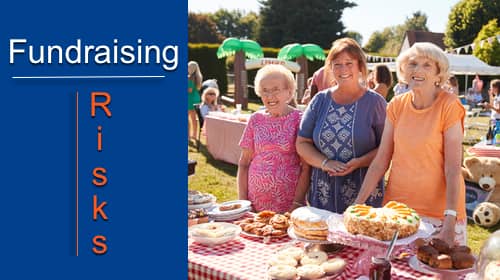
{"x":366,"y":226}
{"x":291,"y":262}
{"x":265,"y":224}
{"x":437,"y":256}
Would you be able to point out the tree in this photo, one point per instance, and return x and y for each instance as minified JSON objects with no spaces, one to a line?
{"x":235,"y":23}
{"x":355,"y":35}
{"x":299,"y":21}
{"x":388,"y":42}
{"x":490,"y":51}
{"x":466,"y":19}
{"x":202,"y":29}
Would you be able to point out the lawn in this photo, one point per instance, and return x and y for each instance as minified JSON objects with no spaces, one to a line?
{"x":219,"y":179}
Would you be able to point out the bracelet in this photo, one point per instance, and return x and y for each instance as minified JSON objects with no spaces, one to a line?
{"x":449,"y":212}
{"x":324,"y":162}
{"x":295,"y":202}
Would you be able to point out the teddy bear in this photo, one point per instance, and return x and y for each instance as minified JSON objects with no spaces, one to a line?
{"x":485,"y":171}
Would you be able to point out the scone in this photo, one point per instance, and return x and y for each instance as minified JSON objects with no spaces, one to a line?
{"x":310,"y":271}
{"x":282,"y":272}
{"x":316,"y":257}
{"x":333,"y":266}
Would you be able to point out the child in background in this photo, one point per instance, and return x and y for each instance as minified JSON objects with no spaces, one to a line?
{"x":194,"y":84}
{"x":209,"y":101}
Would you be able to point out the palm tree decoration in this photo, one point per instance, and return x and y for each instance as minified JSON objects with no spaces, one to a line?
{"x":240,"y":48}
{"x":301,"y":53}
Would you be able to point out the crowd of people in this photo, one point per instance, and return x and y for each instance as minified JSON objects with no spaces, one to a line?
{"x":337,"y":151}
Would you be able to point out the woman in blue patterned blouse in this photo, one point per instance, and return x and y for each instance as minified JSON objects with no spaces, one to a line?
{"x":341,"y":130}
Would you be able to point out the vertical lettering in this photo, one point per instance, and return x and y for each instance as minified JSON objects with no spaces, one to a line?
{"x":99,"y":173}
{"x":100,"y":246}
{"x":99,"y":138}
{"x":99,"y":209}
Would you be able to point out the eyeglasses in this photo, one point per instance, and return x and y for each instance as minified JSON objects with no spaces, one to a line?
{"x":210,"y":93}
{"x":271,"y":92}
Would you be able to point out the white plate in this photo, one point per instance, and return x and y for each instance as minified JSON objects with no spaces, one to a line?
{"x":417,"y":265}
{"x":260,"y":236}
{"x":245,"y":204}
{"x":203,"y":205}
{"x":228,"y":232}
{"x":229,"y":217}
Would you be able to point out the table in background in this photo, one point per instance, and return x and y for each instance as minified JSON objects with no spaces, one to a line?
{"x":223,"y":133}
{"x":247,"y":257}
{"x":482,"y":150}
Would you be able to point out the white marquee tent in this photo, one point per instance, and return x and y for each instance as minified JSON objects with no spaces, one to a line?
{"x":459,"y":65}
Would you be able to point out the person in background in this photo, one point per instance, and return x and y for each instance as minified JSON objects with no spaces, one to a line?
{"x":340,"y":131}
{"x":194,"y":84}
{"x":400,"y":88}
{"x":209,"y":101}
{"x":270,"y":172}
{"x":423,"y":139}
{"x":451,"y":85}
{"x":210,"y":83}
{"x":382,"y":78}
{"x":370,"y":81}
{"x":494,"y":104}
{"x":307,"y":92}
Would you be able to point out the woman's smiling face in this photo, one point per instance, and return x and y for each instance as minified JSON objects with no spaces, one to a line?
{"x":345,"y":68}
{"x":421,"y":72}
{"x":274,"y":93}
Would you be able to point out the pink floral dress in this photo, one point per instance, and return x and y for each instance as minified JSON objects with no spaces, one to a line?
{"x":275,"y":168}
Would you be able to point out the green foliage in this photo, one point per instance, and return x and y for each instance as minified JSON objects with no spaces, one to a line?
{"x":211,"y":67}
{"x":293,"y":51}
{"x":202,"y":29}
{"x":489,"y":52}
{"x":284,"y":22}
{"x":466,"y":19}
{"x":236,"y":23}
{"x":355,"y":35}
{"x":230,"y":46}
{"x":388,"y":42}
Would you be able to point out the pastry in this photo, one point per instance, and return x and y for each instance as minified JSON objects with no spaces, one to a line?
{"x":333,"y":266}
{"x":463,"y":249}
{"x":282,"y":272}
{"x":382,"y":223}
{"x":264,"y":216}
{"x":294,"y":252}
{"x":441,"y":261}
{"x":316,"y":257}
{"x":279,"y":221}
{"x":441,"y":246}
{"x":462,"y":260}
{"x":492,"y":270}
{"x":282,"y":259}
{"x":310,"y":271}
{"x":424,"y":253}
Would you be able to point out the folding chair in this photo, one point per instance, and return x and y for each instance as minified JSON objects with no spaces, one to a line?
{"x":200,"y":122}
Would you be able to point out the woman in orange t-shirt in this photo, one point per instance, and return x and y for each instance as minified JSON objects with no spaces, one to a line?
{"x":423,"y":138}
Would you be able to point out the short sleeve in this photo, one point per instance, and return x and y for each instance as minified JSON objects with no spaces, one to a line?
{"x":379,"y":120}
{"x":454,"y":112}
{"x":309,"y":117}
{"x":392,"y":108}
{"x":247,"y":138}
{"x":204,"y":110}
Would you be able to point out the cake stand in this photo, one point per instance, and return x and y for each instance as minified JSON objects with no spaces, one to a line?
{"x":371,"y":247}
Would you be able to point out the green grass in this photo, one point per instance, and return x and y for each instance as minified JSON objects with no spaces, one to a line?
{"x":219,"y":179}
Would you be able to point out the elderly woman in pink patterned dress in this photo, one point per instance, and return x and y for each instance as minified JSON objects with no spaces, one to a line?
{"x":270,"y":172}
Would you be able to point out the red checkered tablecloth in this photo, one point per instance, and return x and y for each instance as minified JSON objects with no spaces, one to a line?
{"x":246,"y":258}
{"x":482,"y":150}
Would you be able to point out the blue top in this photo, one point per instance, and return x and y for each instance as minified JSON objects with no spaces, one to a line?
{"x":343,"y":132}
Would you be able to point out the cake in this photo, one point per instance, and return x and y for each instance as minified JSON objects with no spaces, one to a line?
{"x":310,"y":223}
{"x":381,"y":223}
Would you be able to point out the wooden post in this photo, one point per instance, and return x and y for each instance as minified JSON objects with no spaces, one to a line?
{"x":240,"y":80}
{"x":302,"y":76}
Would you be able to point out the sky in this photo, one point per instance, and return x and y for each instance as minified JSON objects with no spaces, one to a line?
{"x":367,"y":17}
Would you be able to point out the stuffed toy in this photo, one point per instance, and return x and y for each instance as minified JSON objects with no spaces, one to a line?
{"x":485,"y":171}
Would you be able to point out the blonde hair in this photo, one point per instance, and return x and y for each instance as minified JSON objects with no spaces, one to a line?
{"x":208,"y":90}
{"x":426,"y":50}
{"x":194,"y":73}
{"x":275,"y":69}
{"x":352,"y":48}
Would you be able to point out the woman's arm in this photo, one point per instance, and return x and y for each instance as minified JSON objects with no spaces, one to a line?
{"x":379,"y":165}
{"x":242,"y":177}
{"x":452,"y":170}
{"x":306,"y":149}
{"x":302,"y":185}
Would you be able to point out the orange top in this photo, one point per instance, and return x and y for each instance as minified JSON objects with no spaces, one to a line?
{"x":417,"y":173}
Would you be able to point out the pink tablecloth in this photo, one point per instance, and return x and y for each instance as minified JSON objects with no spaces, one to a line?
{"x":246,"y":258}
{"x":223,"y":136}
{"x":482,"y":150}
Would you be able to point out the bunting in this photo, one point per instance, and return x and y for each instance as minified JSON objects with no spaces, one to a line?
{"x":472,"y":46}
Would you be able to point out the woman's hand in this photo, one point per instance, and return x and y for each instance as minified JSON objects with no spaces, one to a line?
{"x":346,"y":168}
{"x":333,"y":167}
{"x":447,"y":233}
